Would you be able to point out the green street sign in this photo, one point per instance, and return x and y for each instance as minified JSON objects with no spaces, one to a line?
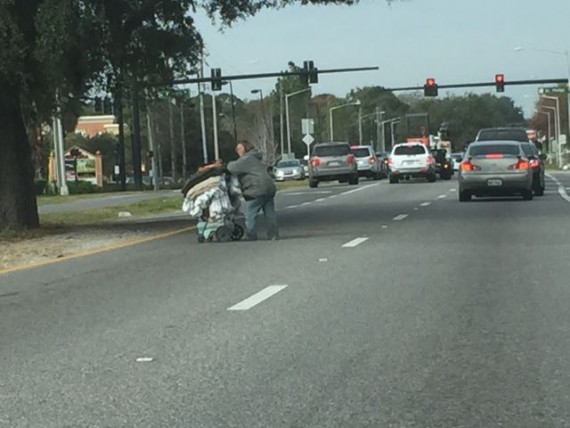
{"x":552,"y":90}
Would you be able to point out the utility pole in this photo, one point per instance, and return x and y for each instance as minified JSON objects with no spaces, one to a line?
{"x":281,"y":118}
{"x":136,"y":139}
{"x":360,"y":126}
{"x":215,"y":122}
{"x":202,"y":115}
{"x":378,"y":126}
{"x":183,"y":142}
{"x":171,"y":138}
{"x":151,"y":147}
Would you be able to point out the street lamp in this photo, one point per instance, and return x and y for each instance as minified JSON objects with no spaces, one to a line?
{"x":558,"y":130}
{"x":356,"y":103}
{"x":229,"y":82}
{"x":288,"y":122}
{"x":548,"y":130}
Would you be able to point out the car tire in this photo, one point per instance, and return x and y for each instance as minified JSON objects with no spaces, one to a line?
{"x":394,"y":179}
{"x":527,"y":195}
{"x":464,"y":196}
{"x":431,"y":178}
{"x":313,"y":183}
{"x":353,"y":181}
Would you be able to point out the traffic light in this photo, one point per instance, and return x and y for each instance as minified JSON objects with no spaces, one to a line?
{"x":311,"y":73}
{"x":500,"y":82}
{"x":430,"y":88}
{"x":216,"y":75}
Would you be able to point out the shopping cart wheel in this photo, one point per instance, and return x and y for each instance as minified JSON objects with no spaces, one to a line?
{"x":201,"y":239}
{"x":223,"y":234}
{"x":237,"y":233}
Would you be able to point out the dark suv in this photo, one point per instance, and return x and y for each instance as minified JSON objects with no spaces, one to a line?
{"x":502,"y":134}
{"x":331,"y":162}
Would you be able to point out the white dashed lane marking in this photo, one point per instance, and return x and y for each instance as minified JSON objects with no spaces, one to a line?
{"x":355,"y":242}
{"x":400,"y":217}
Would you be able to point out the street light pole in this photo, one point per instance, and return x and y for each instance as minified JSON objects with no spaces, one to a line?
{"x":548,"y":129}
{"x":281,"y":119}
{"x":215,"y":123}
{"x":360,"y":126}
{"x":356,"y":103}
{"x":287,"y":96}
{"x":558,"y":126}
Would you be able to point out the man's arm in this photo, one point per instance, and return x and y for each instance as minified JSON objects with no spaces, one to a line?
{"x":238,"y":166}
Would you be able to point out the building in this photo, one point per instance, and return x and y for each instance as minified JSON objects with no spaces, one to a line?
{"x":91,"y":126}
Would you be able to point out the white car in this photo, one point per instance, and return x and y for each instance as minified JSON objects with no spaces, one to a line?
{"x":289,"y":169}
{"x":411,"y":160}
{"x":456,"y":158}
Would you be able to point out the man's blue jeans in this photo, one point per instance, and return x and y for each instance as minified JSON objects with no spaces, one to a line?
{"x":252,"y":208}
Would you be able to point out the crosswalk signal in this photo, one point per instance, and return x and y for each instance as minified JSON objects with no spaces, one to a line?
{"x":500,"y":82}
{"x":430,"y":88}
{"x":216,"y":75}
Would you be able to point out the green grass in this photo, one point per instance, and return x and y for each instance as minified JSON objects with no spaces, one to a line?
{"x":160,"y":205}
{"x":282,"y":185}
{"x":57,"y":199}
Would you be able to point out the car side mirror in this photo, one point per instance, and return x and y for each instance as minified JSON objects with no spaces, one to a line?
{"x":542,"y":156}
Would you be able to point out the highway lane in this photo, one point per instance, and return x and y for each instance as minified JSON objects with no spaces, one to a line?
{"x":439,"y":316}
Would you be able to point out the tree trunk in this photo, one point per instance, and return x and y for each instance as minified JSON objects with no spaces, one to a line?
{"x":18,"y":207}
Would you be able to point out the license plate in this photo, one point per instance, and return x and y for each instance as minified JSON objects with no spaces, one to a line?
{"x":334,"y":163}
{"x":494,"y":182}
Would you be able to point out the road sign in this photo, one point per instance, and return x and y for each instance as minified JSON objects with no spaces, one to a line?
{"x":308,"y":126}
{"x":308,"y":139}
{"x":557,"y":90}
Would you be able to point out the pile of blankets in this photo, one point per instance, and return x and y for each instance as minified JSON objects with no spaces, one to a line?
{"x":212,"y":195}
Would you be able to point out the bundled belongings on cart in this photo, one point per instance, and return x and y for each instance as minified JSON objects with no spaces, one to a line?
{"x":212,"y":196}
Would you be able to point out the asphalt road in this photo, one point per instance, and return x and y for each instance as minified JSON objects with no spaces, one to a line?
{"x":382,"y":306}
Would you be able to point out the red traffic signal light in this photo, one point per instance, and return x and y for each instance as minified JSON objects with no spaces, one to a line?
{"x":430,"y":88}
{"x":500,"y":82}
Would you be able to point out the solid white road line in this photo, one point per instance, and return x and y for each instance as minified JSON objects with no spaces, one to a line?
{"x":305,"y":203}
{"x":320,"y":200}
{"x":400,"y":217}
{"x":354,"y":242}
{"x":257,"y":298}
{"x":426,"y":204}
{"x":308,"y":192}
{"x":561,"y":189}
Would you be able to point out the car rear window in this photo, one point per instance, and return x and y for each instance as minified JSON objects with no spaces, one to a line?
{"x":487,"y":149}
{"x":416,"y":149}
{"x":502,"y":134}
{"x":337,"y":150}
{"x":288,"y":163}
{"x":361,"y":153}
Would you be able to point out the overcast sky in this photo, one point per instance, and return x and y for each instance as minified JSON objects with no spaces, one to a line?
{"x":455,"y":41}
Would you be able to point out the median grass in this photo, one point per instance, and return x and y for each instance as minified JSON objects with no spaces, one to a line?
{"x":283,"y":185}
{"x":162,"y":205}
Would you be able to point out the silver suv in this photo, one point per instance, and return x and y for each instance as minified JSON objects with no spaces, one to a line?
{"x":331,"y":162}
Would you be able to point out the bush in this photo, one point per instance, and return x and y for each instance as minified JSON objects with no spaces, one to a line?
{"x":81,"y":187}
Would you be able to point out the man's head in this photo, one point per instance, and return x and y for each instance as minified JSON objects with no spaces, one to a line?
{"x":243,"y":147}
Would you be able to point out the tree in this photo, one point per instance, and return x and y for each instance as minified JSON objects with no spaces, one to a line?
{"x":54,"y":51}
{"x":469,"y":113}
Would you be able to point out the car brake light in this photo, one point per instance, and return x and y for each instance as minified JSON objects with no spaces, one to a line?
{"x":350,"y":159}
{"x":429,"y":160}
{"x":534,"y":163}
{"x":390,"y":161}
{"x":315,"y":161}
{"x":494,"y":156}
{"x":372,"y":159}
{"x":521,"y":164}
{"x":466,"y":165}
